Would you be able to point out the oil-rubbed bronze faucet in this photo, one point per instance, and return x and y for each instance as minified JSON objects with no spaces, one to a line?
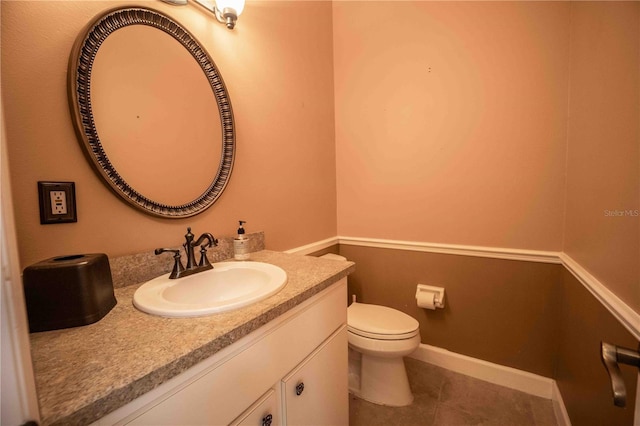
{"x":205,"y":241}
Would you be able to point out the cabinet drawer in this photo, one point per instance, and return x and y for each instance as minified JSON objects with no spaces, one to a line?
{"x":263,"y":413}
{"x":315,"y":392}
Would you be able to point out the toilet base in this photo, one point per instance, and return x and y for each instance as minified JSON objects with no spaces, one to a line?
{"x":382,"y":381}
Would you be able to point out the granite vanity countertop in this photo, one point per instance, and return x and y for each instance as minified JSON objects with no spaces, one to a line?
{"x":86,"y":372}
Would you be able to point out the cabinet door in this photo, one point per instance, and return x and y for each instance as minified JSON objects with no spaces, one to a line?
{"x":263,"y":413}
{"x":315,"y":392}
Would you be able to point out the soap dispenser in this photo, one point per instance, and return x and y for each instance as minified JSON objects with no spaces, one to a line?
{"x":241,"y":244}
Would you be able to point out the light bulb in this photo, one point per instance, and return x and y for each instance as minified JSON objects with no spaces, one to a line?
{"x":236,"y":5}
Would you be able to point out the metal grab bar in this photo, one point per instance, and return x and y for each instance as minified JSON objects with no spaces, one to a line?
{"x":612,"y":355}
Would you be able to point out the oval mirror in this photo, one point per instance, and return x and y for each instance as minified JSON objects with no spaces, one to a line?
{"x":152,"y":112}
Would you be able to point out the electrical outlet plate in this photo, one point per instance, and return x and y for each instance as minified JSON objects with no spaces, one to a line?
{"x":57,"y":202}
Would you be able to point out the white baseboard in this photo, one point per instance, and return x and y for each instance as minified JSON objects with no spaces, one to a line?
{"x":512,"y":378}
{"x":562,"y":416}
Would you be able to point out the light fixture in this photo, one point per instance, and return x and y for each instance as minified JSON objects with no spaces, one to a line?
{"x":225,"y":11}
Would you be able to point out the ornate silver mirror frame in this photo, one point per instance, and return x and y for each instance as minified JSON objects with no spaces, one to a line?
{"x":80,"y":68}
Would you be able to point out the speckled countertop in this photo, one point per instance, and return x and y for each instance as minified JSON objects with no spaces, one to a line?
{"x":86,"y":372}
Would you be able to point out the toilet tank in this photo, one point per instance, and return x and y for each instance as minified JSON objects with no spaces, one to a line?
{"x":333,"y":257}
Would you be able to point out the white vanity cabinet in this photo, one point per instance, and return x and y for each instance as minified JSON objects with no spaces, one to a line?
{"x":254,"y":380}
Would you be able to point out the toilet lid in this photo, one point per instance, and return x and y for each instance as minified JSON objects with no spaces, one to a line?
{"x":380,"y":322}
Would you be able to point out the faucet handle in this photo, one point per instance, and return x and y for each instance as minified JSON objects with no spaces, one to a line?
{"x":177,"y":264}
{"x":209,"y":241}
{"x":204,"y":261}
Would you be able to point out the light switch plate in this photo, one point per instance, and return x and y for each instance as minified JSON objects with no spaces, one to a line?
{"x":57,"y":202}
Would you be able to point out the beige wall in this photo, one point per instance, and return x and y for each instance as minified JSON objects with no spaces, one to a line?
{"x":497,"y":124}
{"x":535,"y":317}
{"x":602,"y":227}
{"x":449,"y":128}
{"x":451,"y":121}
{"x":509,"y":124}
{"x":501,"y":311}
{"x":581,"y":377}
{"x":277,"y":65}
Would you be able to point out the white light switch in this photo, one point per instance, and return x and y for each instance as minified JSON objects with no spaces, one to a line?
{"x":58,"y":202}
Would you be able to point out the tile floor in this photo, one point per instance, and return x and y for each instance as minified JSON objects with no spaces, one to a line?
{"x":445,"y":398}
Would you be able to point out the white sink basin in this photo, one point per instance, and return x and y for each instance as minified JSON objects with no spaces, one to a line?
{"x":229,"y":285}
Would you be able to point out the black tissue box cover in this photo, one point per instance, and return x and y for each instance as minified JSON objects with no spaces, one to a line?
{"x":68,"y":291}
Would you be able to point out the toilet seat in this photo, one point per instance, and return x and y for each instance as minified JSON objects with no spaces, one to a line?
{"x":380,"y":322}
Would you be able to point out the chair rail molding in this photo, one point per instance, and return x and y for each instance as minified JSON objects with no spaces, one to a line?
{"x":461,"y":250}
{"x":629,"y":318}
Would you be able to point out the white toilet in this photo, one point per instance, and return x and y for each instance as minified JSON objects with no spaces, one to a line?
{"x":379,"y":337}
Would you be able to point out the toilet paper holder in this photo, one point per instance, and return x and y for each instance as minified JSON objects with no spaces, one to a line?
{"x":433,"y":296}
